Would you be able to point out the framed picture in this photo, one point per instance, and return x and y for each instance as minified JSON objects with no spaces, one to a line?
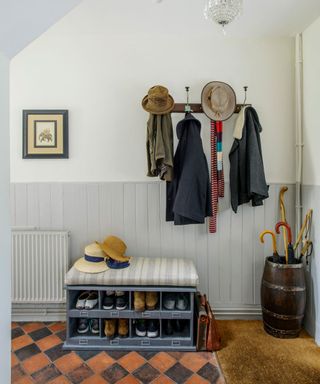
{"x":45,"y":134}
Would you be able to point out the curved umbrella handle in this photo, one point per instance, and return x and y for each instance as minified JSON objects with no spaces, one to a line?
{"x":274,"y":242}
{"x":283,"y":224}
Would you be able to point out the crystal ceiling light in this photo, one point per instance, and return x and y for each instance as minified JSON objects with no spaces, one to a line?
{"x":222,"y":12}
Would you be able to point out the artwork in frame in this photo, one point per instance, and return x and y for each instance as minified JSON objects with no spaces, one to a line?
{"x":45,"y":134}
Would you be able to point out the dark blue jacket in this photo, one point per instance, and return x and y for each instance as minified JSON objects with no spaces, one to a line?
{"x":188,"y":195}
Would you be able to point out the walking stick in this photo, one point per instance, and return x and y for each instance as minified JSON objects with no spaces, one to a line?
{"x":284,"y":220}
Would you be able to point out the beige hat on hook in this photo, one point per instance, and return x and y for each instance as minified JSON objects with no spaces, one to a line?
{"x":218,"y":101}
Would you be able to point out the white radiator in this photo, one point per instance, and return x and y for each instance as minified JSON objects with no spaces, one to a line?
{"x":39,"y":263}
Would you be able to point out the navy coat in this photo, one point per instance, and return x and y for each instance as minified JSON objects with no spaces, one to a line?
{"x":247,"y":178}
{"x":188,"y":195}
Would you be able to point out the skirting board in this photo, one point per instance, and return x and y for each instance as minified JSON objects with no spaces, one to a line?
{"x":58,"y":313}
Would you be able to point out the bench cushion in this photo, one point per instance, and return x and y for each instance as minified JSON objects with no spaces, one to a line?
{"x":142,"y":271}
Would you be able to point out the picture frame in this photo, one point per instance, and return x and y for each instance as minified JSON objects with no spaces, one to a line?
{"x":45,"y":134}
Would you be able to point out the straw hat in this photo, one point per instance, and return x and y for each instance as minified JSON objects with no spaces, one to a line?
{"x":93,"y":260}
{"x":158,"y":101}
{"x":218,"y":101}
{"x":114,"y":248}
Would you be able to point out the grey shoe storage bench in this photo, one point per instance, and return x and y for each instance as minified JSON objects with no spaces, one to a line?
{"x":144,"y":274}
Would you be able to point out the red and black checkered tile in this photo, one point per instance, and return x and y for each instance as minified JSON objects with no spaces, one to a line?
{"x":37,"y":357}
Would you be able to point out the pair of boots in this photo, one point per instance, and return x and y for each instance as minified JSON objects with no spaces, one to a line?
{"x":145,"y":300}
{"x":110,"y":326}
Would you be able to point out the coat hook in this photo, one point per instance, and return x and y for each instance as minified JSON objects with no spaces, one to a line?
{"x":187,"y":107}
{"x":245,"y":94}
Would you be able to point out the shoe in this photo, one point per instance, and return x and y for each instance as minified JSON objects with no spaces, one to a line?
{"x":121,"y":301}
{"x":179,"y":325}
{"x":141,"y":329}
{"x":168,"y":327}
{"x":181,"y":302}
{"x":110,"y":328}
{"x":139,"y":302}
{"x":169,"y":301}
{"x":109,"y":300}
{"x":153,"y":328}
{"x":94,"y":326}
{"x":92,"y":300}
{"x":151,"y":300}
{"x":83,"y":326}
{"x":81,"y":301}
{"x":123,"y":328}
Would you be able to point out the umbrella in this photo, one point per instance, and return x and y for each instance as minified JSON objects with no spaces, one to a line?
{"x":283,"y":218}
{"x":274,"y":244}
{"x":289,"y":246}
{"x":305,"y":251}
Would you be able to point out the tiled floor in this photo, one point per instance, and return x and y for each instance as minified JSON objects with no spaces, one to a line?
{"x":37,"y":357}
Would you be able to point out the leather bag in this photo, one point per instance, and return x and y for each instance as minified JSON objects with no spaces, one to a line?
{"x":213,"y":334}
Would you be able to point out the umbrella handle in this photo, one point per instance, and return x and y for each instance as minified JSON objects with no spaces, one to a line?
{"x":283,"y":224}
{"x":274,"y":242}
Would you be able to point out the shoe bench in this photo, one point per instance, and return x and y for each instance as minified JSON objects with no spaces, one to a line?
{"x":175,"y":271}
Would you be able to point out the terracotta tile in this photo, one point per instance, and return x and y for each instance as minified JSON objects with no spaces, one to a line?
{"x":86,"y":355}
{"x":16,"y":332}
{"x":56,"y":327}
{"x":14,"y":325}
{"x":193,"y":361}
{"x":40,"y":333}
{"x":60,"y":380}
{"x":100,"y":362}
{"x":35,"y":363}
{"x":179,"y":373}
{"x":147,"y":355}
{"x":24,"y":380}
{"x":45,"y":374}
{"x":209,"y":372}
{"x":162,"y":361}
{"x":207,"y":355}
{"x":68,"y":363}
{"x":48,"y":342}
{"x":131,"y":361}
{"x":163,"y":379}
{"x":128,"y":380}
{"x":30,"y":327}
{"x":17,"y":373}
{"x":55,"y":352}
{"x":176,"y":355}
{"x":95,"y":379}
{"x":196,"y":379}
{"x":79,"y":374}
{"x":14,"y":359}
{"x":27,"y":351}
{"x":21,"y":342}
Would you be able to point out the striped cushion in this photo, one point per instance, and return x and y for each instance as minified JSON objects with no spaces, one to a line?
{"x":142,"y":271}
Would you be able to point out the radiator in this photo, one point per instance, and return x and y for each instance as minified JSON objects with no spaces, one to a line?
{"x":39,"y":263}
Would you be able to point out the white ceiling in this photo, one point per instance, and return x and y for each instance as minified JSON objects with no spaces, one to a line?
{"x":21,"y":21}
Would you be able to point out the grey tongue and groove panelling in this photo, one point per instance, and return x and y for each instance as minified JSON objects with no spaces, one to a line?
{"x":229,"y":263}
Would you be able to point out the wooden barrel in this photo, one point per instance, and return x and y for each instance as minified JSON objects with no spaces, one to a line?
{"x":283,"y":298}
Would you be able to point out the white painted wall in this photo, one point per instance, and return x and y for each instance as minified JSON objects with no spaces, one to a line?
{"x":311,"y":94}
{"x":5,"y":281}
{"x":100,"y":60}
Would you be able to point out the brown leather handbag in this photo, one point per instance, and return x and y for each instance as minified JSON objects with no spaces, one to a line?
{"x":213,"y":334}
{"x":202,"y":322}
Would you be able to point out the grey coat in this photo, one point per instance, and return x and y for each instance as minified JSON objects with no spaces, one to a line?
{"x":247,"y":178}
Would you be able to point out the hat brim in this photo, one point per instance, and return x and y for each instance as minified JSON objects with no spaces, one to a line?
{"x":206,"y":107}
{"x":113,"y":254}
{"x":158,"y":111}
{"x":85,"y":266}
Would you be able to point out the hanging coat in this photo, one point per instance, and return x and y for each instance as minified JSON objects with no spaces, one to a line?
{"x":247,"y":178}
{"x":188,"y":195}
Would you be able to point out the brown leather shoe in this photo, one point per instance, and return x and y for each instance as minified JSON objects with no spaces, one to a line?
{"x":123,"y":328}
{"x":151,"y":300}
{"x":110,"y":327}
{"x":139,"y":301}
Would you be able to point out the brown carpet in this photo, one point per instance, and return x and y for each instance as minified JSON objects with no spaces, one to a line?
{"x":251,"y":356}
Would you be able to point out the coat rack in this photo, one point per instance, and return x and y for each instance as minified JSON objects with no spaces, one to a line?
{"x":197,"y":107}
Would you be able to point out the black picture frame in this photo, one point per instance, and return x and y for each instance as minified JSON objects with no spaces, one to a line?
{"x":65,"y":133}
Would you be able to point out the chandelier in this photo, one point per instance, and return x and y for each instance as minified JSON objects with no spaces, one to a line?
{"x":222,"y":12}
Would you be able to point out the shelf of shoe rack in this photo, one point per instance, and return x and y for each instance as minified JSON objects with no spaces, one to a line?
{"x":183,"y":341}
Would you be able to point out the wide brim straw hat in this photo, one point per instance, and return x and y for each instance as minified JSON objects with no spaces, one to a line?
{"x":218,"y":101}
{"x":93,"y":260}
{"x":114,"y":248}
{"x":158,"y":101}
